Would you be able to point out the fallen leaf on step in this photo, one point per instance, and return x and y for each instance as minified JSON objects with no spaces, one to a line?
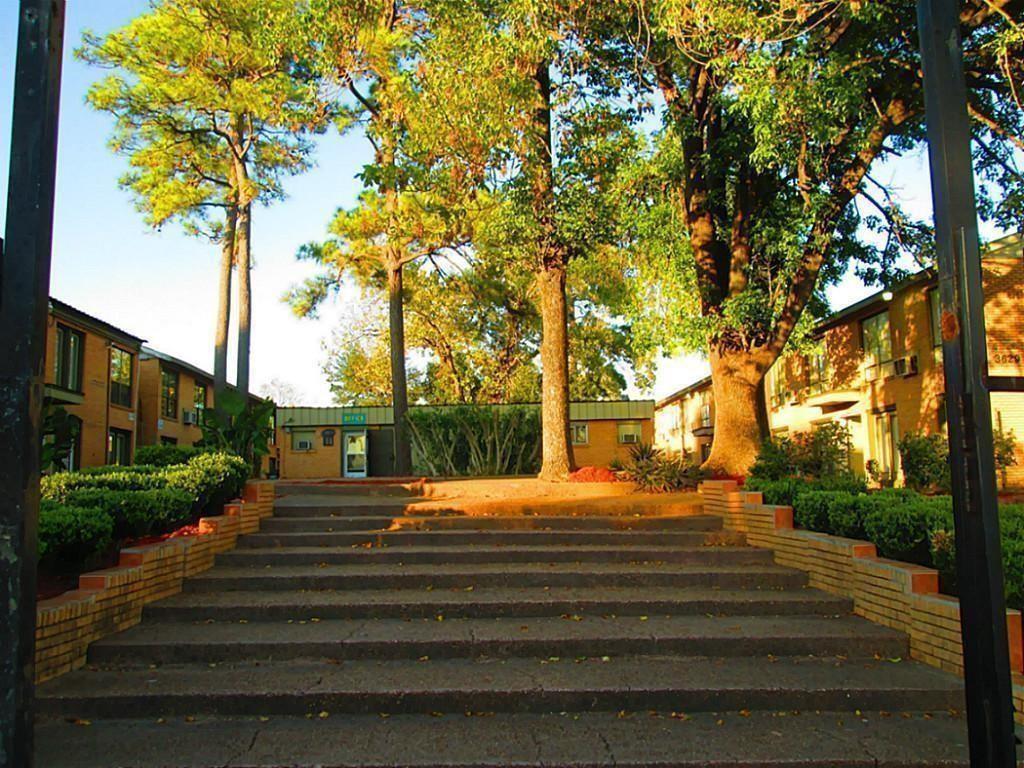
{"x":324,"y":715}
{"x":78,"y":721}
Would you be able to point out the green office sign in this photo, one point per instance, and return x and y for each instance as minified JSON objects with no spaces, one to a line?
{"x":353,"y":419}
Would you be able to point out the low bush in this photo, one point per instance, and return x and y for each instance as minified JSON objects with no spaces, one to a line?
{"x":84,"y":513}
{"x":138,"y":513}
{"x":785,"y":490}
{"x":475,"y":440}
{"x":72,"y":538}
{"x":654,"y":471}
{"x":903,"y":531}
{"x":925,"y":462}
{"x":57,"y":486}
{"x":823,"y":452}
{"x":166,"y":455}
{"x":210,"y":478}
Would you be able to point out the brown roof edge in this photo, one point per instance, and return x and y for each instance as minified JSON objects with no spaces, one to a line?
{"x":699,"y":384}
{"x":74,"y":314}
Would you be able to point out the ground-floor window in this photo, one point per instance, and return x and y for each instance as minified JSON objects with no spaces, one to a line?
{"x":168,"y":440}
{"x":705,"y":452}
{"x":887,"y":438}
{"x":629,"y":433}
{"x":119,"y":447}
{"x":580,"y":433}
{"x":302,"y":439}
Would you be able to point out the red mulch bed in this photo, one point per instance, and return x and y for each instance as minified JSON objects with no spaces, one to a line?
{"x":593,"y":475}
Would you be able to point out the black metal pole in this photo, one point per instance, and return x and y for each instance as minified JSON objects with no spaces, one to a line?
{"x":24,"y":289}
{"x":965,"y":356}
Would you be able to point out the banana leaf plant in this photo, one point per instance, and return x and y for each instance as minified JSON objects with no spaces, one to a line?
{"x":239,"y":426}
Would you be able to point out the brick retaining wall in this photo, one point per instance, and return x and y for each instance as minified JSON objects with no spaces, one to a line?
{"x":111,"y":600}
{"x":899,"y":595}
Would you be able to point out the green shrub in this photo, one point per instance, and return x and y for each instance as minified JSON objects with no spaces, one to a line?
{"x":476,"y":440}
{"x":903,"y":531}
{"x":57,"y":486}
{"x":72,"y":538}
{"x":846,"y":513}
{"x":166,"y":455}
{"x":138,"y":513}
{"x":822,"y":452}
{"x":810,"y":509}
{"x":925,"y":462}
{"x":654,"y":471}
{"x":784,"y":491}
{"x":1005,"y":449}
{"x":211,"y":479}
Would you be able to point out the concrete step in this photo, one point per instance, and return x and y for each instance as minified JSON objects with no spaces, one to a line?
{"x":165,"y":643}
{"x":281,"y":605}
{"x":482,"y":554}
{"x":689,"y":684}
{"x":404,"y":488}
{"x":360,"y":506}
{"x":572,"y":740}
{"x":491,"y":538}
{"x":394,"y":576}
{"x":476,"y":523}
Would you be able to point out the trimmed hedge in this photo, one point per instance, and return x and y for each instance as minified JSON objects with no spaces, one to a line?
{"x":72,"y":538}
{"x":83,"y":514}
{"x":783,"y":491}
{"x":908,"y":526}
{"x":138,"y":513}
{"x":167,"y":455}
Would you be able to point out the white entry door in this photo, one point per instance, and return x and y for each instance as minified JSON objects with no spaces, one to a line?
{"x":355,"y":453}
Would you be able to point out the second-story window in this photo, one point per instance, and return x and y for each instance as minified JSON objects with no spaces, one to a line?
{"x":120,"y":377}
{"x":705,"y":415}
{"x":935,"y":312}
{"x":199,"y":397}
{"x":169,"y":394}
{"x":817,"y":372}
{"x":69,"y":351}
{"x":877,"y":338}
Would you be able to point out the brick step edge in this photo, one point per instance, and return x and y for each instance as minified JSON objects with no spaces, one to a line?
{"x":110,"y":600}
{"x":899,"y":595}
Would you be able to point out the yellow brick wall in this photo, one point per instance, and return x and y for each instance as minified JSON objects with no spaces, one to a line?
{"x":111,"y":600}
{"x":899,"y":595}
{"x":97,"y":413}
{"x":603,"y":445}
{"x":152,"y":424}
{"x":916,"y":399}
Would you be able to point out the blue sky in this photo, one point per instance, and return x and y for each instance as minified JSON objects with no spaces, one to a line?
{"x":161,"y":285}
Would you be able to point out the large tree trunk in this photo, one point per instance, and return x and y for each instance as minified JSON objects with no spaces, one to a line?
{"x":399,"y":386}
{"x":243,"y":250}
{"x":741,"y":425}
{"x":556,"y":458}
{"x":220,"y":343}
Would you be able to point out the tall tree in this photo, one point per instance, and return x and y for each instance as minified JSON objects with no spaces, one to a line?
{"x":367,"y":50}
{"x":774,"y":115}
{"x":212,"y":115}
{"x":505,"y":81}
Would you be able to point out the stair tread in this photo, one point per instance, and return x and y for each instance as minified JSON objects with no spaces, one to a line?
{"x":474,"y":630}
{"x":518,"y":675}
{"x":514,"y":547}
{"x":432,"y":569}
{"x":782,"y":740}
{"x":457,"y":596}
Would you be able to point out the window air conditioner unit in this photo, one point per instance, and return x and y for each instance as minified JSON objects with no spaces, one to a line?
{"x":630,"y":437}
{"x":189,"y":418}
{"x":304,"y":445}
{"x":906,"y":366}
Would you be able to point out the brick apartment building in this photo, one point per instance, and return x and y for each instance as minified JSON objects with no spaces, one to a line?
{"x":121,"y":393}
{"x":173,"y":395}
{"x":92,"y":370}
{"x":878,"y":370}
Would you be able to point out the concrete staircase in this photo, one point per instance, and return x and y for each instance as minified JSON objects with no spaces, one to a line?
{"x":361,"y":631}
